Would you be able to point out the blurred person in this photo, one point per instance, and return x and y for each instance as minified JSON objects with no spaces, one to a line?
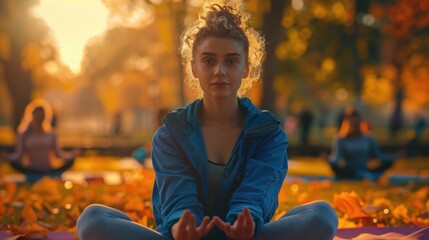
{"x":341,"y":115}
{"x":305,"y":124}
{"x":219,"y":162}
{"x":418,"y":129}
{"x":37,"y":145}
{"x":396,"y":120}
{"x":353,"y":149}
{"x":117,"y":124}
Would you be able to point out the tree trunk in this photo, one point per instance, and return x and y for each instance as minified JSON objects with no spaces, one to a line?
{"x":19,"y":84}
{"x":180,"y":26}
{"x":18,"y":80}
{"x":361,"y":7}
{"x":272,"y":29}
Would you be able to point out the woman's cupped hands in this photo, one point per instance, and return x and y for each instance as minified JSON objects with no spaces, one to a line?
{"x":186,"y":229}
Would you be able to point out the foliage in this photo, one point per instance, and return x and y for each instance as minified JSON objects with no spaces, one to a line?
{"x":52,"y":205}
{"x":134,"y":64}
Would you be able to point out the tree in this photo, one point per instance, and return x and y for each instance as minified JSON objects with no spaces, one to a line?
{"x":23,"y":37}
{"x":405,"y":28}
{"x":271,"y":28}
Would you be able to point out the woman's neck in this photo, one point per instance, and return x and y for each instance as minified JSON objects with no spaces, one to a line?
{"x":36,"y":128}
{"x":220,"y":113}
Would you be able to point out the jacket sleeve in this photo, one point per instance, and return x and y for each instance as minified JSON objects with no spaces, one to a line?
{"x":175,"y":182}
{"x":263,"y":177}
{"x":337,"y":152}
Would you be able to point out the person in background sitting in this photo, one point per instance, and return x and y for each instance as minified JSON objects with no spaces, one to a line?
{"x":354,"y":148}
{"x":37,"y":144}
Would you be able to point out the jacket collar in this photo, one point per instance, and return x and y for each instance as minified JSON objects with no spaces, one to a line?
{"x":184,"y":121}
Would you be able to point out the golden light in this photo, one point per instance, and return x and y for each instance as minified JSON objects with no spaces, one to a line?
{"x":294,"y":188}
{"x":68,"y":185}
{"x":73,"y":23}
{"x":341,"y":94}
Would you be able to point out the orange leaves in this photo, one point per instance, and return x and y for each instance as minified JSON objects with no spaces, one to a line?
{"x":6,"y":196}
{"x":134,"y":204}
{"x":2,"y":207}
{"x":47,"y":186}
{"x":401,"y":212}
{"x":28,"y":214}
{"x":350,"y":204}
{"x":30,"y":226}
{"x":51,"y":205}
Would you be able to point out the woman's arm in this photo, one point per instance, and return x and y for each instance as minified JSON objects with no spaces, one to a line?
{"x":337,"y":155}
{"x":19,"y":148}
{"x":176,"y":185}
{"x":59,"y":153}
{"x":377,"y":153}
{"x":263,"y":177}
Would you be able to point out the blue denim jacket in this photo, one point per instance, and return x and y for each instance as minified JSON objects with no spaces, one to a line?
{"x":253,"y":175}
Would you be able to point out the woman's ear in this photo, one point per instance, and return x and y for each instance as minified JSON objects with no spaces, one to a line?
{"x":193,"y":69}
{"x":246,"y":71}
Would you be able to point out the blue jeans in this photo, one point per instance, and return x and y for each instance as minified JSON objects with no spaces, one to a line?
{"x":315,"y":220}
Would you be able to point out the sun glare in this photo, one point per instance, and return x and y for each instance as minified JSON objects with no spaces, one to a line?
{"x":73,"y":23}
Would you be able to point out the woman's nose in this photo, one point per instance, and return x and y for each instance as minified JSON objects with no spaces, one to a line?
{"x":220,"y":70}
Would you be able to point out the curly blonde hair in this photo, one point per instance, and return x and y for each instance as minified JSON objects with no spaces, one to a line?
{"x":223,"y":19}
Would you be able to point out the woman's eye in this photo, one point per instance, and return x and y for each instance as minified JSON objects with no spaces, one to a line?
{"x":207,"y":61}
{"x":231,"y":61}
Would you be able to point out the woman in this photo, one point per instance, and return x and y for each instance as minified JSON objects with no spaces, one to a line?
{"x":219,"y":162}
{"x":354,"y":148}
{"x":36,"y":143}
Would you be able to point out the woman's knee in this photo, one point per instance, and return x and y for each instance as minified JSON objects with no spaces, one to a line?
{"x":91,"y":221}
{"x":324,"y":217}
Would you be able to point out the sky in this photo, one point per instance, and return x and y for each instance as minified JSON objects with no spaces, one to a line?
{"x":73,"y":23}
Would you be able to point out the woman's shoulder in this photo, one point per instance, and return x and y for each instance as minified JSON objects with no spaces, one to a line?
{"x":256,"y":116}
{"x":161,"y":132}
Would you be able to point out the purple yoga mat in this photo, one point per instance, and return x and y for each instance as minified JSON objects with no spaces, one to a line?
{"x":51,"y":235}
{"x":421,"y":233}
{"x":344,"y":233}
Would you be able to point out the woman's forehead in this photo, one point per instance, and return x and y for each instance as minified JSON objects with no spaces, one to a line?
{"x":220,"y":46}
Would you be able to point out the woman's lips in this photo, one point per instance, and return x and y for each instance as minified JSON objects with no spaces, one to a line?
{"x":219,"y":84}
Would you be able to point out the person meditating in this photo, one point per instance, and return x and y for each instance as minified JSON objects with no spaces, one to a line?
{"x":353,"y":149}
{"x":37,"y":144}
{"x":219,"y":162}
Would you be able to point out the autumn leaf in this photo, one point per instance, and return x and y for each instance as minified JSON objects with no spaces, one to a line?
{"x":28,"y":214}
{"x":134,"y":204}
{"x":383,"y":203}
{"x":401,"y":212}
{"x":48,"y":187}
{"x":350,"y":204}
{"x":2,"y":207}
{"x":10,"y":191}
{"x":33,"y":229}
{"x":143,"y":220}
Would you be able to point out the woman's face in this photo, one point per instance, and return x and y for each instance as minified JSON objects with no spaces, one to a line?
{"x":220,"y":64}
{"x":38,"y":115}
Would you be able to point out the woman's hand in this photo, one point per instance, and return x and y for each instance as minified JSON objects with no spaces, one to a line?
{"x":242,"y":229}
{"x":185,"y":228}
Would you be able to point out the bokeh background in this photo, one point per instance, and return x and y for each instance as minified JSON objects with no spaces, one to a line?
{"x":110,"y":68}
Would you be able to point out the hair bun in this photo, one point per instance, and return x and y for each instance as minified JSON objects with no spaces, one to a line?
{"x":223,"y":15}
